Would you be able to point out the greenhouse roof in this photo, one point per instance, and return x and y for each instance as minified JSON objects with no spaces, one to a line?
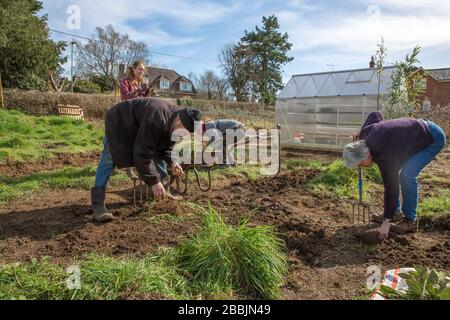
{"x":337,"y":83}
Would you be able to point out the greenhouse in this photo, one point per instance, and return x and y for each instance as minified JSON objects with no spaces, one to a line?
{"x":324,"y":110}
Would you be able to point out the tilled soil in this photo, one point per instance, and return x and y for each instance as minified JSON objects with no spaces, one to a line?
{"x":327,"y":259}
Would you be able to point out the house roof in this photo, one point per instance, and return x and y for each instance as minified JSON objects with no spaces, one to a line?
{"x":155,"y":73}
{"x":440,"y":74}
{"x":337,"y":83}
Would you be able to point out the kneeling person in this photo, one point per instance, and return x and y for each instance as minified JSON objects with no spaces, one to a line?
{"x":138,"y":133}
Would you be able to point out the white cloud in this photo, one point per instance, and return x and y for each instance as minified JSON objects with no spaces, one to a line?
{"x":435,"y":6}
{"x":342,"y":37}
{"x":187,"y":15}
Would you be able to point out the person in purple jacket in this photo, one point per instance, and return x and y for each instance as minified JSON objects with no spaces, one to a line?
{"x":401,"y":148}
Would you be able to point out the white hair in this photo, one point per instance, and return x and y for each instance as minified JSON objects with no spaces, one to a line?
{"x":354,"y":153}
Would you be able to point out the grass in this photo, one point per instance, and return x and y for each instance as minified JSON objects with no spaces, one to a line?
{"x":100,"y":277}
{"x":341,"y":182}
{"x":222,"y":258}
{"x":435,"y":207}
{"x":66,"y":178}
{"x":292,"y":164}
{"x":219,"y":261}
{"x":24,"y":137}
{"x":253,"y":172}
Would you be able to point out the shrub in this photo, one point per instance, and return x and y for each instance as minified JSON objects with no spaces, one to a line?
{"x":96,"y":105}
{"x":32,"y":82}
{"x":86,"y":86}
{"x":106,"y":83}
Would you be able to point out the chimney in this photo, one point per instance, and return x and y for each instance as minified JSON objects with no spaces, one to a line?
{"x":372,"y":63}
{"x":121,"y":70}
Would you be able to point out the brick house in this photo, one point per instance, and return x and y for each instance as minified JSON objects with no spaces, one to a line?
{"x":437,"y":88}
{"x":169,"y":83}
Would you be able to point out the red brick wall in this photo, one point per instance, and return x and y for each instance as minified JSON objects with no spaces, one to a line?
{"x":437,"y":92}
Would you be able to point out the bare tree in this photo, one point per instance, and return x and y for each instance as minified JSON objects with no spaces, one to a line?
{"x":102,"y":55}
{"x":236,"y":67}
{"x":194,"y":78}
{"x":208,"y":84}
{"x":133,"y":50}
{"x":222,"y":88}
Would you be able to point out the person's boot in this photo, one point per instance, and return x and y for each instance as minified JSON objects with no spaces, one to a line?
{"x":98,"y":205}
{"x":405,"y":226}
{"x":379,"y":217}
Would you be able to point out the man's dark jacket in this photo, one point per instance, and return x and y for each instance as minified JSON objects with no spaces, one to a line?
{"x":139,"y":132}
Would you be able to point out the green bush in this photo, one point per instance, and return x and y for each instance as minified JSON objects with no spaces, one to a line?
{"x":86,"y":86}
{"x":106,"y":83}
{"x":32,"y":82}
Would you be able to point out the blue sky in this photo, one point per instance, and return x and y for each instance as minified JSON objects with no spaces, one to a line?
{"x":343,"y":33}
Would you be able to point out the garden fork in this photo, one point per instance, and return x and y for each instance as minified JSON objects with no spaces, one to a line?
{"x":360,"y":208}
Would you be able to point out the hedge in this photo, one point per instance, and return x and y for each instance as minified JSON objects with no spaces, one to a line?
{"x":95,"y":105}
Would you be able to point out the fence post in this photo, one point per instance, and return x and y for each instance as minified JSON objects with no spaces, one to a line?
{"x":1,"y":92}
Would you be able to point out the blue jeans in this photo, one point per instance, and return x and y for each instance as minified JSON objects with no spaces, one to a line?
{"x":106,"y":167}
{"x":412,"y":168}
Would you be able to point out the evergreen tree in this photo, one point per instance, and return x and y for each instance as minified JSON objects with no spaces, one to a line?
{"x":268,"y":50}
{"x":27,"y":55}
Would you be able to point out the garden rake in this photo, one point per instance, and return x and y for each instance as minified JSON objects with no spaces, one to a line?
{"x":360,"y":208}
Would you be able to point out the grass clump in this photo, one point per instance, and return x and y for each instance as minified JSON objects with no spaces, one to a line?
{"x":24,"y":137}
{"x":222,"y":258}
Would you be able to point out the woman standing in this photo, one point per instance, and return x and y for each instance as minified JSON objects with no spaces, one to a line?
{"x":133,"y":84}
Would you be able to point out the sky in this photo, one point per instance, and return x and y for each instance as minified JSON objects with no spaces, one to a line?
{"x":325,"y":35}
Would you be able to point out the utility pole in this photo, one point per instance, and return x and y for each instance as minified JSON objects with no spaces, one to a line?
{"x":72,"y":45}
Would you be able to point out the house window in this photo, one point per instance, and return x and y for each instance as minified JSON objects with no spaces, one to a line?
{"x":423,"y":84}
{"x":164,"y":84}
{"x":185,"y":86}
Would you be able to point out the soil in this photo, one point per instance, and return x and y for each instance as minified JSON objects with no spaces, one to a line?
{"x":328,"y":259}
